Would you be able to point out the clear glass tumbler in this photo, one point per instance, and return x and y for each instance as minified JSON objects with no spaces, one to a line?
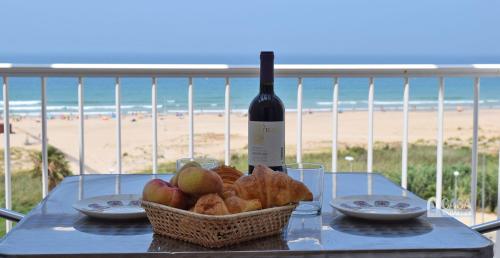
{"x":312,"y":175}
{"x":206,"y":163}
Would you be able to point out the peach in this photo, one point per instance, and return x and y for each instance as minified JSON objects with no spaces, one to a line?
{"x":190,"y":164}
{"x":198,"y":181}
{"x":179,"y":199}
{"x":162,"y":192}
{"x":174,"y":179}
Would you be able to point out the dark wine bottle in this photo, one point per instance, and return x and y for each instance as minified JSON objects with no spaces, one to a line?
{"x":266,"y":121}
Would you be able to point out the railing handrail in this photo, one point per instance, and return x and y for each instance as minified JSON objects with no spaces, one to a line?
{"x":224,"y":70}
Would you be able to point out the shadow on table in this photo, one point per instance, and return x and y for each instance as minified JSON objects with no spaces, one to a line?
{"x":166,"y":244}
{"x":113,"y":227}
{"x":389,"y":229}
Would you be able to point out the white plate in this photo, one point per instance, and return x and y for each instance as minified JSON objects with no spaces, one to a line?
{"x":121,"y":206}
{"x":379,"y":207}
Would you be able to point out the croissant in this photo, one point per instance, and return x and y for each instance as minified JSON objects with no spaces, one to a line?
{"x":228,"y":174}
{"x":271,"y":188}
{"x":211,"y":204}
{"x":236,"y":204}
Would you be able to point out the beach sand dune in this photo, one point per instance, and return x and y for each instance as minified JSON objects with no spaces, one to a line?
{"x":100,"y":135}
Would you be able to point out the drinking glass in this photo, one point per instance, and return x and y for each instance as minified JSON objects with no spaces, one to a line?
{"x":305,"y":232}
{"x":206,"y":163}
{"x":311,"y":174}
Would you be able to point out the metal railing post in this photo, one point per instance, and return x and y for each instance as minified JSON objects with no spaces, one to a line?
{"x":369,"y":161}
{"x":227,"y":123}
{"x":6,"y":150}
{"x":191,"y":118}
{"x":81,"y":161}
{"x":118,"y":126}
{"x":154,"y":117}
{"x":498,"y":186}
{"x":299,"y":121}
{"x":475,"y":125}
{"x":335,"y":123}
{"x":404,"y":144}
{"x":335,"y":126}
{"x":45,"y":159}
{"x":439,"y":151}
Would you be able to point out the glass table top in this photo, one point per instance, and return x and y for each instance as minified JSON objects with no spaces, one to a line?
{"x":54,"y":228}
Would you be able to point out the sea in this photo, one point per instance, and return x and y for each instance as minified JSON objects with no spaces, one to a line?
{"x":172,"y":94}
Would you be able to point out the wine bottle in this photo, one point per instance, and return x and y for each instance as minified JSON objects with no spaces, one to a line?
{"x":266,"y":121}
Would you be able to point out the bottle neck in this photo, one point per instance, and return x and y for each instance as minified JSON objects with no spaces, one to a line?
{"x":266,"y":88}
{"x":267,"y":73}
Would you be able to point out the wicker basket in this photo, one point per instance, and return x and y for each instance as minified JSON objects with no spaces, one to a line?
{"x":216,"y":231}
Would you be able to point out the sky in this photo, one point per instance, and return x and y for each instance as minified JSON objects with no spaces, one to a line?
{"x":234,"y":32}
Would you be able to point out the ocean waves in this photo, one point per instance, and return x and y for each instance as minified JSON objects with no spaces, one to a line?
{"x":33,"y":107}
{"x":22,"y":102}
{"x":27,"y":107}
{"x":411,"y":102}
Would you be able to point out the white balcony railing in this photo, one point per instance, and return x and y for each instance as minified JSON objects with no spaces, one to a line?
{"x":226,"y":71}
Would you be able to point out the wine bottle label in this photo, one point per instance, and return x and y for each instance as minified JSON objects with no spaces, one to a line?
{"x":266,"y":143}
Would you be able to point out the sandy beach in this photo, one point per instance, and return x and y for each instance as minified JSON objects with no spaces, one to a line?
{"x":100,"y":135}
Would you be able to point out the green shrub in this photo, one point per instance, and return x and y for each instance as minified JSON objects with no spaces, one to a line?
{"x":58,"y":166}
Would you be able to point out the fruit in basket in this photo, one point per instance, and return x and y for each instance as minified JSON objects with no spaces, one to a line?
{"x":236,"y":205}
{"x":271,"y":188}
{"x":211,"y":204}
{"x":173,"y":180}
{"x":190,"y":164}
{"x":153,"y":189}
{"x":198,"y":181}
{"x":162,"y":192}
